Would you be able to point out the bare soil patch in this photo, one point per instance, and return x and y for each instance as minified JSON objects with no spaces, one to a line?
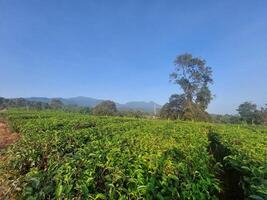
{"x":6,"y":138}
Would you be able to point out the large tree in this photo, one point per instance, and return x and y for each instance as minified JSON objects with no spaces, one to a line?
{"x":193,"y":77}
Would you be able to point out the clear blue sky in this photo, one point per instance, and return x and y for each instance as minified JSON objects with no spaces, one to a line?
{"x":124,"y":50}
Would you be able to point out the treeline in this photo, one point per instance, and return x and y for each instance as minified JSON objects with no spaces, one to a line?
{"x":105,"y":108}
{"x":22,"y":103}
{"x":6,"y":103}
{"x":247,"y":113}
{"x":176,"y":108}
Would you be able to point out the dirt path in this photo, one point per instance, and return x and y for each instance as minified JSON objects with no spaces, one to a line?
{"x":6,"y":139}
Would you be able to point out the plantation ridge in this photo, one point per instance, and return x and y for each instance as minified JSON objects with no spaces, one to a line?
{"x":75,"y":156}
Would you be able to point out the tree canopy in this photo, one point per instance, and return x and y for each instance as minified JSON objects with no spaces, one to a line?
{"x":22,"y":103}
{"x":191,"y":74}
{"x":174,"y":109}
{"x":56,"y":103}
{"x":105,"y":108}
{"x":250,"y":114}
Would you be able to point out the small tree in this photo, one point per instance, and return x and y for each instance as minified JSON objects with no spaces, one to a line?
{"x":85,"y":110}
{"x":56,"y":104}
{"x":105,"y":108}
{"x":174,"y":109}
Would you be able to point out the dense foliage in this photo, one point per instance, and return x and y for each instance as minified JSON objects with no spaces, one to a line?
{"x":105,"y":108}
{"x":22,"y":103}
{"x":193,"y":77}
{"x":73,"y":156}
{"x":251,"y":114}
{"x":247,"y":113}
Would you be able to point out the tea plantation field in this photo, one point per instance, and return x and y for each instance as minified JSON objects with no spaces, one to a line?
{"x":73,"y":156}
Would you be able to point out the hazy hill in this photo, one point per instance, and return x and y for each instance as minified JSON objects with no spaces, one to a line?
{"x":139,"y":105}
{"x":91,"y":102}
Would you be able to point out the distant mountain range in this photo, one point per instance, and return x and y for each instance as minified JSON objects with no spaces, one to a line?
{"x":92,"y":102}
